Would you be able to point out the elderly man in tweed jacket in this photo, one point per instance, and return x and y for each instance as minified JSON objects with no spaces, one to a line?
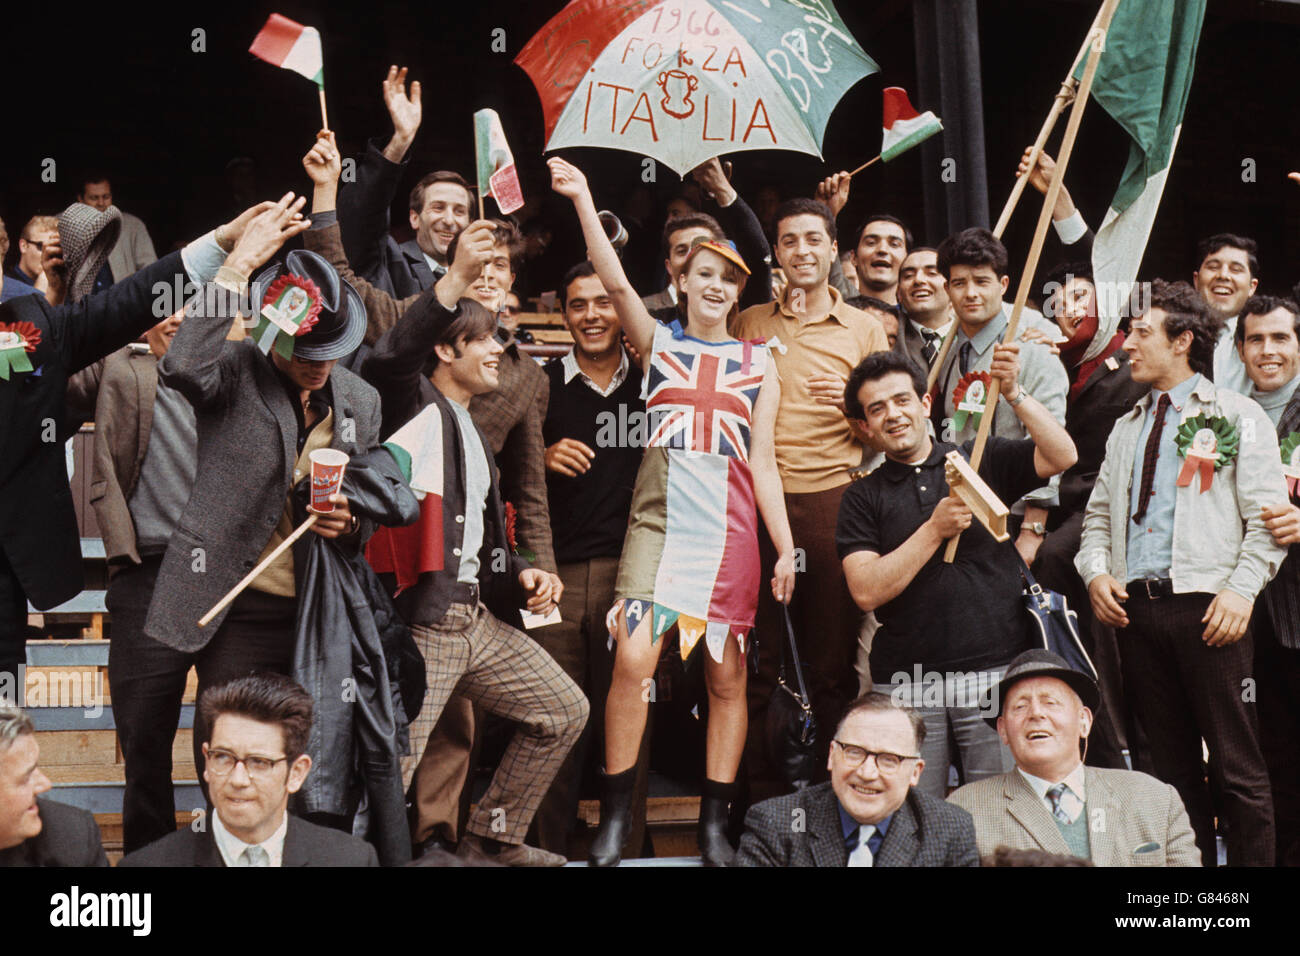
{"x":870,"y":813}
{"x":1051,"y":801}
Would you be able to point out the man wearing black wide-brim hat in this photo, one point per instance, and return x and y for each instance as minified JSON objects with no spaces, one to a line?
{"x":1051,"y":801}
{"x":262,"y":406}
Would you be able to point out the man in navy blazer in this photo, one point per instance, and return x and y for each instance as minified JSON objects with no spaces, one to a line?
{"x":254,"y":758}
{"x":870,"y":813}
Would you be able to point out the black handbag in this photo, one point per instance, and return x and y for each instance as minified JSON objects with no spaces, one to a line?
{"x":1056,"y":626}
{"x":791,"y":728}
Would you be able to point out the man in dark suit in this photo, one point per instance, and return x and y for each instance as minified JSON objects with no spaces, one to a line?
{"x":870,"y":813}
{"x":259,"y":419}
{"x":257,"y":723}
{"x":440,"y":205}
{"x":36,"y":832}
{"x":40,"y":559}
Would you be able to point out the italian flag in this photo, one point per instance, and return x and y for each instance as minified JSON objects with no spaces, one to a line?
{"x":1142,"y":81}
{"x":416,"y":549}
{"x":497,"y":176}
{"x":291,"y":46}
{"x":904,"y":127}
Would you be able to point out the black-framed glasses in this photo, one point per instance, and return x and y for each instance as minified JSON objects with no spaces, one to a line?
{"x":40,"y":246}
{"x":886,"y":762}
{"x":222,"y":762}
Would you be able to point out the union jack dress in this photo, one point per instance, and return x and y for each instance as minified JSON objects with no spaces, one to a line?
{"x":690,"y":558}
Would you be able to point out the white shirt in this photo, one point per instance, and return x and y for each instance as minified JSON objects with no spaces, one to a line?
{"x":231,"y":847}
{"x":436,"y":267}
{"x":941,"y":331}
{"x":1074,"y":780}
{"x":569,"y":364}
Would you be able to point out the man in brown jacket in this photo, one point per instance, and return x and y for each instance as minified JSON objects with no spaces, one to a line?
{"x":511,"y":420}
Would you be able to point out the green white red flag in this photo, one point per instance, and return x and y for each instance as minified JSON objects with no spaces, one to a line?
{"x":497,"y":176}
{"x":291,"y":46}
{"x":904,"y":126}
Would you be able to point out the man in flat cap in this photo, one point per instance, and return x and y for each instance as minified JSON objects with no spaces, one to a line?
{"x":1051,"y":801}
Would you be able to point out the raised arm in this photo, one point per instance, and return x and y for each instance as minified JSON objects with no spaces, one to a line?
{"x":638,"y":326}
{"x":193,"y":363}
{"x":743,"y":228}
{"x":323,"y":164}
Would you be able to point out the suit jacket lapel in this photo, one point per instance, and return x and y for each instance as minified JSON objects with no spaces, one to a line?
{"x":1290,"y":420}
{"x":1031,"y":813}
{"x":1103,"y":808}
{"x":296,"y":846}
{"x":277,"y":402}
{"x":1100,"y":372}
{"x":419,"y":265}
{"x":825,"y":835}
{"x":900,"y":845}
{"x":206,"y":853}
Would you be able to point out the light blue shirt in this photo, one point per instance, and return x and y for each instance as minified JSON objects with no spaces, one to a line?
{"x":1151,"y":543}
{"x":478,"y":483}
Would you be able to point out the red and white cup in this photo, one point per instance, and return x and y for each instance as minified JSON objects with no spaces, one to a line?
{"x":327,"y":466}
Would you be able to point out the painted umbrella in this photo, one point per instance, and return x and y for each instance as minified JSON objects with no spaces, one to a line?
{"x":686,"y":80}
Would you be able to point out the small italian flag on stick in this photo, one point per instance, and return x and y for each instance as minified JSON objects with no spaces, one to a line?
{"x":292,"y":46}
{"x":904,"y":126}
{"x":497,"y":176}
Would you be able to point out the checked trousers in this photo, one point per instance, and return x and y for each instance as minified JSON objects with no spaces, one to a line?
{"x":503,"y":670}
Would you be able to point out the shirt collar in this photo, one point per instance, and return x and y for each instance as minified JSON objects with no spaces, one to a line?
{"x":569,"y":365}
{"x":897,"y":470}
{"x":436,"y":267}
{"x":835,"y":312}
{"x":1180,"y":393}
{"x":849,"y":826}
{"x":1073,"y":780}
{"x":231,"y":847}
{"x":989,"y":334}
{"x":921,"y":330}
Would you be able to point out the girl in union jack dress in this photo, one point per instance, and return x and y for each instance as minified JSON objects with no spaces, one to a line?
{"x":690,"y":560}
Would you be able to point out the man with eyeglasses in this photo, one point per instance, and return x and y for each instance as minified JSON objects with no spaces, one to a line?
{"x":870,"y":813}
{"x":1051,"y":801}
{"x":254,"y":759}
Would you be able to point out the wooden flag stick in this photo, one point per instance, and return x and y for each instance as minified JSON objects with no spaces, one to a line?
{"x":1098,"y":35}
{"x":324,"y":116}
{"x":1063,"y":99}
{"x":251,"y":576}
{"x":865,"y":165}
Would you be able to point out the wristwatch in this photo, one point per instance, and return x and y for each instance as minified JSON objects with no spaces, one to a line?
{"x":1020,"y":396}
{"x":1037,"y":528}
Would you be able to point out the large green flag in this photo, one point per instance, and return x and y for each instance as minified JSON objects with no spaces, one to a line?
{"x":1142,"y":81}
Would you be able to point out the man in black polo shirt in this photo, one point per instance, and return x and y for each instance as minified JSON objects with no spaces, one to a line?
{"x":946,"y":630}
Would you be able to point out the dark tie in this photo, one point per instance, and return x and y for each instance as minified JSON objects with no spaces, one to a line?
{"x":963,"y":356}
{"x":929,"y":346}
{"x":1149,"y":458}
{"x":1054,"y":795}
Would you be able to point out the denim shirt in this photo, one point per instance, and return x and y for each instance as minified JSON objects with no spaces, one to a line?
{"x":1151,"y":543}
{"x":1219,"y":538}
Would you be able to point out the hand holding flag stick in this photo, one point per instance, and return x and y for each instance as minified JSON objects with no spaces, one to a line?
{"x":1098,"y":42}
{"x":292,"y":46}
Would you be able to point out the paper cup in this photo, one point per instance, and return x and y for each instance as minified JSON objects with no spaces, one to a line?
{"x":327,"y":466}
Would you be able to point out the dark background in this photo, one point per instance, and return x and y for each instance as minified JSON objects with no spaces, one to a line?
{"x":123,"y":92}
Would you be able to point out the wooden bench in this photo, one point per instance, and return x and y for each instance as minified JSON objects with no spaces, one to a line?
{"x":87,"y":604}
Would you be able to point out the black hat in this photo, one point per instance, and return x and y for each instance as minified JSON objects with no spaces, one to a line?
{"x":1044,"y":663}
{"x":340,"y":323}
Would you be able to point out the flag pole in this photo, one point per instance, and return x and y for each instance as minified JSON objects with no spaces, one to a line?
{"x":251,"y":576}
{"x":865,"y":165}
{"x":1098,"y":42}
{"x":1064,"y":96}
{"x":324,"y":116}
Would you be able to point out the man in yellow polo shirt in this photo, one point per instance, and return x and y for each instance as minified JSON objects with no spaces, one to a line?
{"x":816,"y":340}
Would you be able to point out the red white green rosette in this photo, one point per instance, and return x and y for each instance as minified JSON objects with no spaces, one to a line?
{"x":1206,"y":444}
{"x":1291,"y":462}
{"x":16,"y":340}
{"x":970,"y":398}
{"x":290,"y":307}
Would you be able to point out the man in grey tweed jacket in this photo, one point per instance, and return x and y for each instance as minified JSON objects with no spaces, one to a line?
{"x":870,"y":813}
{"x":1051,"y":801}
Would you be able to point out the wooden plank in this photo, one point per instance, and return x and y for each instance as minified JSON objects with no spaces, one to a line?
{"x":114,"y":771}
{"x":70,"y":748}
{"x":552,"y":336}
{"x":80,"y":686}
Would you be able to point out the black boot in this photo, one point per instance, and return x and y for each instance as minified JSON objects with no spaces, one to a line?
{"x":615,"y":818}
{"x":712,"y":833}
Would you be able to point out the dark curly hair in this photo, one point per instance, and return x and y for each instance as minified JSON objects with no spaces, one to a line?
{"x":1186,"y":311}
